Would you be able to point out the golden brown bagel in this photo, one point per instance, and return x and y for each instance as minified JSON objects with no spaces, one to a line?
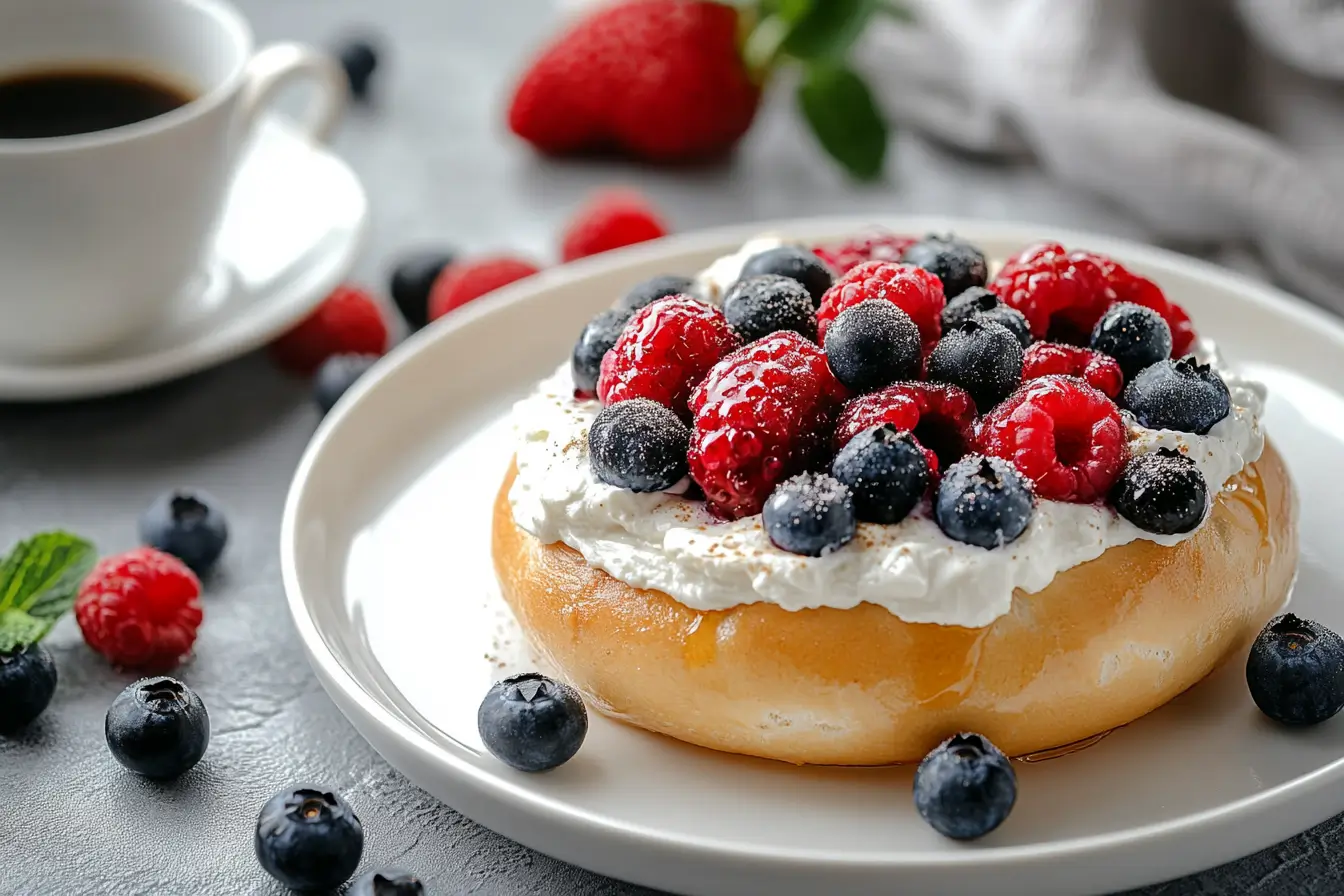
{"x":1105,"y":643}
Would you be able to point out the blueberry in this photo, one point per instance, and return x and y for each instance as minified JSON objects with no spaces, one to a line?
{"x":532,"y":723}
{"x":1182,"y":395}
{"x":187,"y":524}
{"x":755,"y":307}
{"x":955,"y":262}
{"x":980,"y":356}
{"x":653,"y":289}
{"x":412,"y":279}
{"x":387,"y":882}
{"x":885,"y":471}
{"x":965,"y":787}
{"x":1296,"y":671}
{"x":639,"y":445}
{"x":27,"y":682}
{"x":335,"y":377}
{"x":157,"y":727}
{"x":983,"y":501}
{"x":309,"y":838}
{"x":359,"y":58}
{"x":793,"y":262}
{"x":1134,"y":336}
{"x":597,"y":338}
{"x":978,"y":302}
{"x":811,"y":514}
{"x":872,"y":345}
{"x":1163,"y":492}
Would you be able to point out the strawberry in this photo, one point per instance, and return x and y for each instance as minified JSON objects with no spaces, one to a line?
{"x":661,"y":80}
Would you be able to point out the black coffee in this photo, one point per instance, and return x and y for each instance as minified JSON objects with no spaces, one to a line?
{"x":56,"y":103}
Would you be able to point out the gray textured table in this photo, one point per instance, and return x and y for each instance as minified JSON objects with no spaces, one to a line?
{"x":438,"y":167}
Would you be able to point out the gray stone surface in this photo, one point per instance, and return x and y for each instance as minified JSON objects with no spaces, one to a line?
{"x":438,"y":167}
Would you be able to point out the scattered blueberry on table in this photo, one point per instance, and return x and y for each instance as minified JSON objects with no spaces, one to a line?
{"x":187,"y":524}
{"x":309,"y":838}
{"x":27,"y":683}
{"x":532,"y":723}
{"x":1295,"y":671}
{"x":965,"y":787}
{"x":359,"y":58}
{"x":335,"y":377}
{"x":158,"y":728}
{"x":387,"y":882}
{"x":413,"y":278}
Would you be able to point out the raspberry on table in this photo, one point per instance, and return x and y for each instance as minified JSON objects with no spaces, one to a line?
{"x":1101,"y":372}
{"x":465,"y":281}
{"x":875,"y":246}
{"x":349,"y":321}
{"x":610,"y":220}
{"x":1062,"y":293}
{"x":763,"y":414}
{"x":914,"y":290}
{"x":1062,"y":434}
{"x":664,"y":352}
{"x":939,"y":415}
{"x":140,"y":609}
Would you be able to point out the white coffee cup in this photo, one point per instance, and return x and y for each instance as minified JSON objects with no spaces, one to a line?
{"x":103,"y":233}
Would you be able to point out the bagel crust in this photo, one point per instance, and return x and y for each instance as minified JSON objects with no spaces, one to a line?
{"x":1105,"y":643}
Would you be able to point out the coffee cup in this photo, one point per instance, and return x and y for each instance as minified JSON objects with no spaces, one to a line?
{"x":111,"y":190}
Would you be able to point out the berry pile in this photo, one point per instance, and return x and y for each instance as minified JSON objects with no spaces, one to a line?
{"x":840,"y":386}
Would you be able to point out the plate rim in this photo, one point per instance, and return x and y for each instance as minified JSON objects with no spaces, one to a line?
{"x":351,"y":696}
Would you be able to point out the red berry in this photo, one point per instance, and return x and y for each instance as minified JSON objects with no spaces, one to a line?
{"x":1064,"y":435}
{"x":940,"y":416}
{"x":1130,"y":287}
{"x":662,"y":80}
{"x":877,"y":246}
{"x":464,"y":281}
{"x":763,"y":414}
{"x":664,"y":352}
{"x":348,"y":322}
{"x":611,"y":220}
{"x":914,"y":290}
{"x":1101,"y":372}
{"x":140,"y":609}
{"x":1062,"y":294}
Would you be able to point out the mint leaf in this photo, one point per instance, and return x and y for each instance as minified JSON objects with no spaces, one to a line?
{"x":41,"y":576}
{"x":827,"y":30}
{"x":17,"y":628}
{"x":840,"y":108}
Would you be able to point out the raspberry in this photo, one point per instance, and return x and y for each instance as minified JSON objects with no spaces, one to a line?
{"x":939,"y":415}
{"x":914,"y":290}
{"x":1064,"y":435}
{"x":348,"y":322}
{"x":763,"y":414}
{"x":140,"y":609}
{"x":464,"y":281}
{"x":1061,"y":293}
{"x":876,"y":246}
{"x":665,"y":350}
{"x":610,"y":220}
{"x":1130,"y":287}
{"x":1101,"y":372}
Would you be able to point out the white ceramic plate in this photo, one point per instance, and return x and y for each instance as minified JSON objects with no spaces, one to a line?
{"x":294,"y":219}
{"x":386,"y":564}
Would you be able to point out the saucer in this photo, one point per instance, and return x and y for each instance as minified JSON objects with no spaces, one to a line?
{"x":393,"y":592}
{"x":292,"y":224}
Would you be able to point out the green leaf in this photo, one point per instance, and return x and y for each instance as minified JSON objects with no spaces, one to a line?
{"x":827,"y":30}
{"x":41,"y":576}
{"x":17,"y":628}
{"x":840,"y":108}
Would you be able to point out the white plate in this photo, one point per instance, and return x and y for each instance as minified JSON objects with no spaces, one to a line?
{"x":294,"y":220}
{"x":386,"y":562}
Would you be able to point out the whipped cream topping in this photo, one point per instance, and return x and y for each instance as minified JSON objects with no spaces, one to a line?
{"x":668,"y":543}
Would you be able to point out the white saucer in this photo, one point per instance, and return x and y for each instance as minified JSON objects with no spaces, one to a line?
{"x":295,"y":219}
{"x":389,"y":580}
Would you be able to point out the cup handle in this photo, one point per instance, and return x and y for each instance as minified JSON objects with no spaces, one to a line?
{"x":275,"y":66}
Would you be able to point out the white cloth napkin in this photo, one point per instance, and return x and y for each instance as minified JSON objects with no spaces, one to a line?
{"x":1149,"y":104}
